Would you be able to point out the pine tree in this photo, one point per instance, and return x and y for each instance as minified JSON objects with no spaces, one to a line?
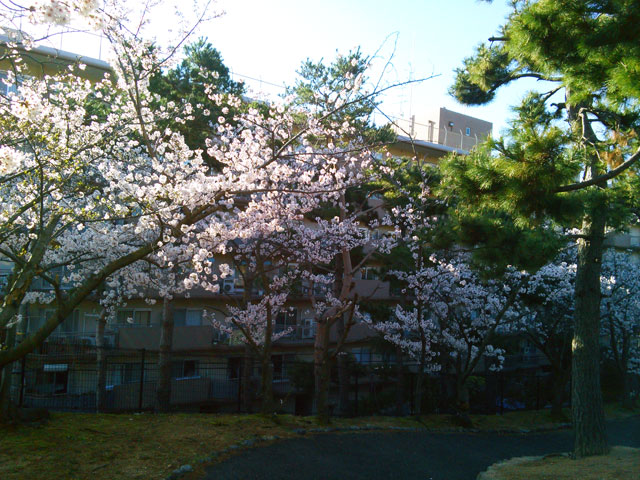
{"x":568,"y":161}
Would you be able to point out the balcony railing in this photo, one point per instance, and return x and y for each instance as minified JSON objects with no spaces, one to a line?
{"x":454,"y":138}
{"x":297,"y":332}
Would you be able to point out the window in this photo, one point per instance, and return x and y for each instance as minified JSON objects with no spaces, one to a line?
{"x":90,"y":323}
{"x":5,"y":89}
{"x":134,"y":316}
{"x":5,"y":273}
{"x":187,"y":317}
{"x":287,"y":318}
{"x":52,"y":379}
{"x":124,"y":373}
{"x":467,"y":131}
{"x":280,"y":366}
{"x":369,"y":273}
{"x":184,"y":369}
{"x":362,"y":355}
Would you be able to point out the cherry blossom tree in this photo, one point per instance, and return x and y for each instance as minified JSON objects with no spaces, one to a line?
{"x":90,"y":184}
{"x":268,"y":277}
{"x":620,"y":314}
{"x":455,"y":312}
{"x":546,"y":319}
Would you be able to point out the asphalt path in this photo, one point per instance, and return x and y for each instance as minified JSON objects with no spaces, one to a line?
{"x":400,"y":454}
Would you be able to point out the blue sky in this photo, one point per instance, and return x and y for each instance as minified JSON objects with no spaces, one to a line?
{"x":268,"y":39}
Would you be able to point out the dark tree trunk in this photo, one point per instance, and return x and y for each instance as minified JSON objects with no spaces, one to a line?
{"x":627,"y":390}
{"x":322,"y":372}
{"x":163,"y":392}
{"x":462,"y":394}
{"x":587,"y":408}
{"x":101,"y":364}
{"x":343,"y":372}
{"x":558,"y":382}
{"x":419,"y":387}
{"x":399,"y":382}
{"x":7,"y":408}
{"x":267,"y":406}
{"x":247,"y":380}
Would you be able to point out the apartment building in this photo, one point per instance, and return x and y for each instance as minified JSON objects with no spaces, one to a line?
{"x":436,"y":133}
{"x":207,"y":362}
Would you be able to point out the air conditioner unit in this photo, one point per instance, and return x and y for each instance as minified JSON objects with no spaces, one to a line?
{"x":308,"y":330}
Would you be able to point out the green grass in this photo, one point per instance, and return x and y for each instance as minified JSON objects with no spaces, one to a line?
{"x":114,"y":447}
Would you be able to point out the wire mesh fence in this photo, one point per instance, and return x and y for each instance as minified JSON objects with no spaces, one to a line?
{"x":69,"y":382}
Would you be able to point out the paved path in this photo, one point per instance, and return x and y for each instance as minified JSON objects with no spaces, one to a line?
{"x":398,"y":455}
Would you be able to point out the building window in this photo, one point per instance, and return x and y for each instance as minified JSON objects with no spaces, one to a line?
{"x":190,"y":317}
{"x":467,"y":131}
{"x":52,"y":379}
{"x":138,"y":317}
{"x":362,"y":355}
{"x":184,"y":369}
{"x":369,"y":273}
{"x":6,"y":88}
{"x":287,"y":317}
{"x":281,"y":366}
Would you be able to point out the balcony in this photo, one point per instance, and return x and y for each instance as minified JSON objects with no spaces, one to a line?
{"x":200,"y":337}
{"x":427,"y":133}
{"x":372,"y":289}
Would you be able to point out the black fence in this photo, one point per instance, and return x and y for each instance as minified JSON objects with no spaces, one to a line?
{"x":69,"y":382}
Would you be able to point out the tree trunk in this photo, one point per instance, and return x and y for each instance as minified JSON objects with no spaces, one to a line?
{"x":419,"y":387}
{"x":344,"y":379}
{"x":627,"y":391}
{"x":247,"y":383}
{"x":399,"y":382}
{"x":587,"y":408}
{"x":163,"y":392}
{"x":267,"y":406}
{"x":101,"y":364}
{"x":322,"y":372}
{"x":7,"y":408}
{"x":558,"y":382}
{"x":462,"y":394}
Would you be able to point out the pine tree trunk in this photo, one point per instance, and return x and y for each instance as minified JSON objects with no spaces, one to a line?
{"x":322,"y":372}
{"x":101,"y":364}
{"x":586,"y":400}
{"x":163,"y":392}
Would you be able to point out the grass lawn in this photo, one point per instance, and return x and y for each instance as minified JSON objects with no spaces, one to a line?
{"x":113,"y":447}
{"x":622,"y":463}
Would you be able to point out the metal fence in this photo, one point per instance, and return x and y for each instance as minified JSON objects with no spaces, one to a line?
{"x":69,"y":382}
